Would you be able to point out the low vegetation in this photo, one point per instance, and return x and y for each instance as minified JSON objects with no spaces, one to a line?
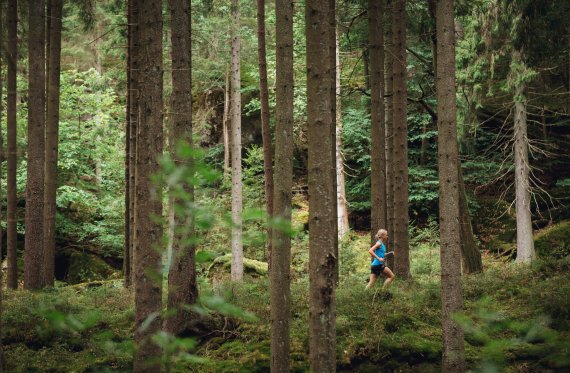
{"x":517,"y":318}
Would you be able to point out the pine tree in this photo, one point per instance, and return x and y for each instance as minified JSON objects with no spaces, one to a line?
{"x":400,"y":159}
{"x":12,"y":59}
{"x":281,"y":253}
{"x":389,"y":122}
{"x":182,"y":284}
{"x":237,"y":198}
{"x":322,"y":189}
{"x":448,"y":162}
{"x":52,"y":129}
{"x":378,"y":135}
{"x":147,"y":265}
{"x":265,"y":129}
{"x":33,"y":253}
{"x":525,"y":239}
{"x":127,"y":252}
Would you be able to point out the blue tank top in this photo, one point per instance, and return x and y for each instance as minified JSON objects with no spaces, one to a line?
{"x":380,"y":252}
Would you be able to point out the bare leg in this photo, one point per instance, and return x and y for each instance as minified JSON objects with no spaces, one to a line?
{"x":373,"y":278}
{"x":389,"y":277}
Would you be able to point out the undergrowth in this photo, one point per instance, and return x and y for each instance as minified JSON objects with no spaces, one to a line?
{"x":516,"y":318}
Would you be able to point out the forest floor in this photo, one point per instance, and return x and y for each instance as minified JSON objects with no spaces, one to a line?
{"x":517,"y":319}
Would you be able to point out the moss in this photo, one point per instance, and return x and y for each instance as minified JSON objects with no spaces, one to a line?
{"x":553,"y":242}
{"x":84,"y":267}
{"x":251,"y":266}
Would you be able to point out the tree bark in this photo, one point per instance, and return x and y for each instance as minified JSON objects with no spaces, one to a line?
{"x":331,"y":17}
{"x":525,"y":240}
{"x":265,"y":129}
{"x":470,"y":254}
{"x":280,"y":274}
{"x":12,"y":235}
{"x":3,"y":55}
{"x":226,"y":126}
{"x":147,"y":269}
{"x":182,"y":284}
{"x":389,"y":88}
{"x":127,"y":259}
{"x":322,"y":190}
{"x":33,"y":253}
{"x":449,"y":217}
{"x":342,"y":218}
{"x":134,"y":116}
{"x":237,"y":198}
{"x":378,"y":130}
{"x":52,"y":138}
{"x":401,"y":249}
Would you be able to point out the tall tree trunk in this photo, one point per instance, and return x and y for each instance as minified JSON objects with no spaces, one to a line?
{"x":322,"y":190}
{"x":378,"y":135}
{"x":342,"y":218}
{"x":182,"y":285}
{"x":470,"y":254}
{"x":449,"y":218}
{"x":389,"y":89}
{"x":402,"y":260}
{"x":52,"y":138}
{"x":3,"y":55}
{"x":127,"y":258}
{"x":281,"y":254}
{"x":226,"y":126}
{"x":12,"y":235}
{"x":525,"y":240}
{"x":147,"y":269}
{"x":237,"y":199}
{"x":33,"y":253}
{"x":134,"y":116}
{"x":333,"y":70}
{"x":265,"y":129}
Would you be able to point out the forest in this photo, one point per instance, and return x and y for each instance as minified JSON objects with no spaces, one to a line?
{"x":285,"y":186}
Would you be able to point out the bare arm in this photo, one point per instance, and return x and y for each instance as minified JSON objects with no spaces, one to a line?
{"x":372,"y":253}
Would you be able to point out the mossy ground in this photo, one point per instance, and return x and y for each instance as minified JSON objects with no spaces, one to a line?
{"x":517,"y":318}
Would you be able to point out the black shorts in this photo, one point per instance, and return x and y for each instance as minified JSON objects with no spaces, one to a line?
{"x":377,"y":269}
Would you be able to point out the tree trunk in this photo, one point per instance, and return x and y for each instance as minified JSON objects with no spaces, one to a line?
{"x":265,"y":129}
{"x":449,"y":218}
{"x":226,"y":126}
{"x":470,"y":254}
{"x":135,"y":114}
{"x":52,"y":130}
{"x":378,"y":130}
{"x":366,"y":67}
{"x":33,"y":253}
{"x":281,"y":254}
{"x":322,"y":190}
{"x":525,"y":240}
{"x":342,"y":212}
{"x":389,"y":82}
{"x":3,"y":54}
{"x":237,"y":199}
{"x":401,"y":249}
{"x":423,"y":147}
{"x":12,"y":235}
{"x":332,"y":90}
{"x":147,"y":269}
{"x":182,"y":285}
{"x":127,"y":258}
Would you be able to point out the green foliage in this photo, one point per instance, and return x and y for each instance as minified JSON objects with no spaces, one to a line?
{"x":80,"y":328}
{"x":554,"y":242}
{"x":356,"y":151}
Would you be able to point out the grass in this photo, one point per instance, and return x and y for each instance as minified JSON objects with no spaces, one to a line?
{"x":517,"y":318}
